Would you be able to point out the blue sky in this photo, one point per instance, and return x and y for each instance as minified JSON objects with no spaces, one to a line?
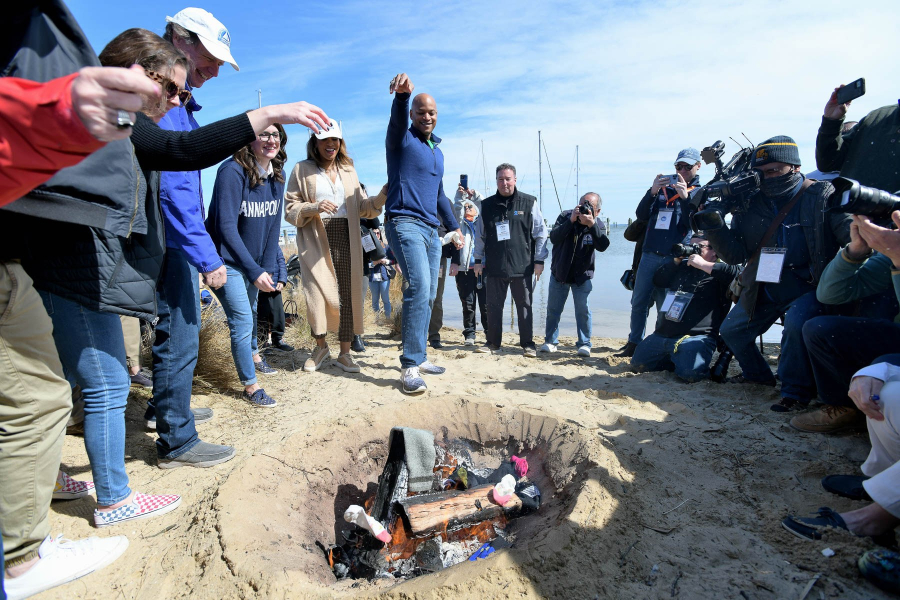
{"x":630,"y":83}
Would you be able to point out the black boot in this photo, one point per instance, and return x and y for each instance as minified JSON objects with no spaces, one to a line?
{"x":627,"y":350}
{"x":357,"y":345}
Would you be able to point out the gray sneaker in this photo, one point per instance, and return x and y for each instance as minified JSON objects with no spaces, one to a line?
{"x":203,"y":454}
{"x":201,"y":416}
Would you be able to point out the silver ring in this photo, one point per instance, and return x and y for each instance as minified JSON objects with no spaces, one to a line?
{"x":123,"y":120}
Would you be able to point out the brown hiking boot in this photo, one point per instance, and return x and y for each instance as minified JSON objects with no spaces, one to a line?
{"x":828,"y":419}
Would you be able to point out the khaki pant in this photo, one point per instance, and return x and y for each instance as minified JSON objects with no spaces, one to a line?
{"x":883,"y":463}
{"x":131,"y":329}
{"x":35,"y":401}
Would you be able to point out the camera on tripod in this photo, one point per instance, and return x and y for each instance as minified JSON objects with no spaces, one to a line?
{"x":685,"y":250}
{"x":852,"y":198}
{"x":729,"y":191}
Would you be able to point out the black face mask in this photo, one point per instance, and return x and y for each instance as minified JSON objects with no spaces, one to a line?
{"x":779,"y":186}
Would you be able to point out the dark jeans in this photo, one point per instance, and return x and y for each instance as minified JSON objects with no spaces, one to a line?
{"x":840,"y":346}
{"x":270,"y":316}
{"x":470,"y":295}
{"x":740,"y":334}
{"x":437,"y":309}
{"x":175,"y":352}
{"x":522,"y":288}
{"x":688,"y":357}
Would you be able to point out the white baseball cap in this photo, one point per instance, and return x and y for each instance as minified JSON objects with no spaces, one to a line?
{"x":333,"y":132}
{"x":212,"y":33}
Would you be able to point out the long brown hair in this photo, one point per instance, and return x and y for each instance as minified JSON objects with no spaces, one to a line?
{"x":141,"y":47}
{"x":312,"y":153}
{"x":247,"y":160}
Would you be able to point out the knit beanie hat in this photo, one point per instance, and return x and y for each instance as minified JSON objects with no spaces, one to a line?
{"x":780,"y":148}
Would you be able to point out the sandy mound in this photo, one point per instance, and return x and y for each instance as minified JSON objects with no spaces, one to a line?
{"x":653,"y":488}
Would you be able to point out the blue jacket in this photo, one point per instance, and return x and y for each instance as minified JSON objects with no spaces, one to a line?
{"x":415,"y":172}
{"x":244,"y":223}
{"x":181,"y":199}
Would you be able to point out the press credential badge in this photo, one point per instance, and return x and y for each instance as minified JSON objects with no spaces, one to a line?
{"x":502,"y":231}
{"x":367,"y":243}
{"x":664,"y":218}
{"x":771,"y":261}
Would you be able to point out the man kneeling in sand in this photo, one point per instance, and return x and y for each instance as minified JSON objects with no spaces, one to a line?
{"x":688,"y":324}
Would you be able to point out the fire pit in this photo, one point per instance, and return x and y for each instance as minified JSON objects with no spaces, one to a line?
{"x":299,"y":494}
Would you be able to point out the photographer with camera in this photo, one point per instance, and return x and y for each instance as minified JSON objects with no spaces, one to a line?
{"x":575,"y":236}
{"x":695,"y":306}
{"x":666,"y":207}
{"x":786,"y":239}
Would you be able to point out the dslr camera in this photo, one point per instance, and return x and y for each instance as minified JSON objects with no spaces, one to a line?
{"x":685,"y":250}
{"x":851,"y":197}
{"x":730,"y":191}
{"x":585,"y":208}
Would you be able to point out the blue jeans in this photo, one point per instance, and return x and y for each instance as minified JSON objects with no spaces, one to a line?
{"x":418,"y":251}
{"x":238,"y":298}
{"x":556,"y":301}
{"x":645,"y":294}
{"x":740,"y":334}
{"x":92,"y":350}
{"x":840,"y":346}
{"x":175,"y":351}
{"x":690,"y":360}
{"x":381,"y":291}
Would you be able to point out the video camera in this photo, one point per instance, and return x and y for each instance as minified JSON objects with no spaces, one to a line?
{"x":730,"y":191}
{"x":685,"y":250}
{"x":851,"y":197}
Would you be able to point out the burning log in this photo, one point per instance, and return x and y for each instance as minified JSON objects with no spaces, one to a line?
{"x":436,"y":513}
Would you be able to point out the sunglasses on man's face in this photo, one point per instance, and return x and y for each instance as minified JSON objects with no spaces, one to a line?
{"x":683,"y":167}
{"x":170,"y":88}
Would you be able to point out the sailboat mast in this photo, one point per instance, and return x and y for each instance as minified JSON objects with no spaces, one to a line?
{"x":577,"y":195}
{"x":540,"y":181}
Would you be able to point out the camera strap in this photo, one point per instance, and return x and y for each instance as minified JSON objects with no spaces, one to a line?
{"x":779,"y":218}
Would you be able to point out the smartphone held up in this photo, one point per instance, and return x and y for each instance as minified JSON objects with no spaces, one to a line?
{"x":851,"y":91}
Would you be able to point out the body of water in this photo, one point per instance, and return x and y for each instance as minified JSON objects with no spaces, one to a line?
{"x":610,"y":302}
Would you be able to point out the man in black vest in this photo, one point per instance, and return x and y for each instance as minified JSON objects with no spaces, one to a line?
{"x":510,"y":247}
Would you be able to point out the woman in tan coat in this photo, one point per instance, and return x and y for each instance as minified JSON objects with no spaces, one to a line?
{"x":324,"y":200}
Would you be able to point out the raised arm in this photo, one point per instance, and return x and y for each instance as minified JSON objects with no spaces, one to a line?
{"x":399,"y":122}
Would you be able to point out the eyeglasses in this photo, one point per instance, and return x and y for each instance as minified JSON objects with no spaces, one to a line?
{"x":170,"y":87}
{"x":265,"y":136}
{"x":683,"y":167}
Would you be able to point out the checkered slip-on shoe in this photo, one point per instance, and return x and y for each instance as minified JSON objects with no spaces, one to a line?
{"x":144,"y":506}
{"x":71,"y":489}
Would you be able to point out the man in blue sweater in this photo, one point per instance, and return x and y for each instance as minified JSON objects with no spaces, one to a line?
{"x":416,"y":205}
{"x":189,"y":252}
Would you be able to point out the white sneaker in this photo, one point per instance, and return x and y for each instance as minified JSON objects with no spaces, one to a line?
{"x":548,"y":348}
{"x":584,"y":351}
{"x":62,"y":561}
{"x":412,"y":382}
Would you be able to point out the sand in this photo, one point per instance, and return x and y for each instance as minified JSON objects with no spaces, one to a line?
{"x":652,"y":488}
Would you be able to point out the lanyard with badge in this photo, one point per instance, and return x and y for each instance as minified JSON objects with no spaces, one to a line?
{"x":666,"y":215}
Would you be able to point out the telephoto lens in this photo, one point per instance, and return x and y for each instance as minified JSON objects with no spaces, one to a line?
{"x":685,"y":250}
{"x":851,"y":197}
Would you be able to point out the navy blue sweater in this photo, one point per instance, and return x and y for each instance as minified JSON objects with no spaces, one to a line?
{"x":415,"y":172}
{"x":244,"y":223}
